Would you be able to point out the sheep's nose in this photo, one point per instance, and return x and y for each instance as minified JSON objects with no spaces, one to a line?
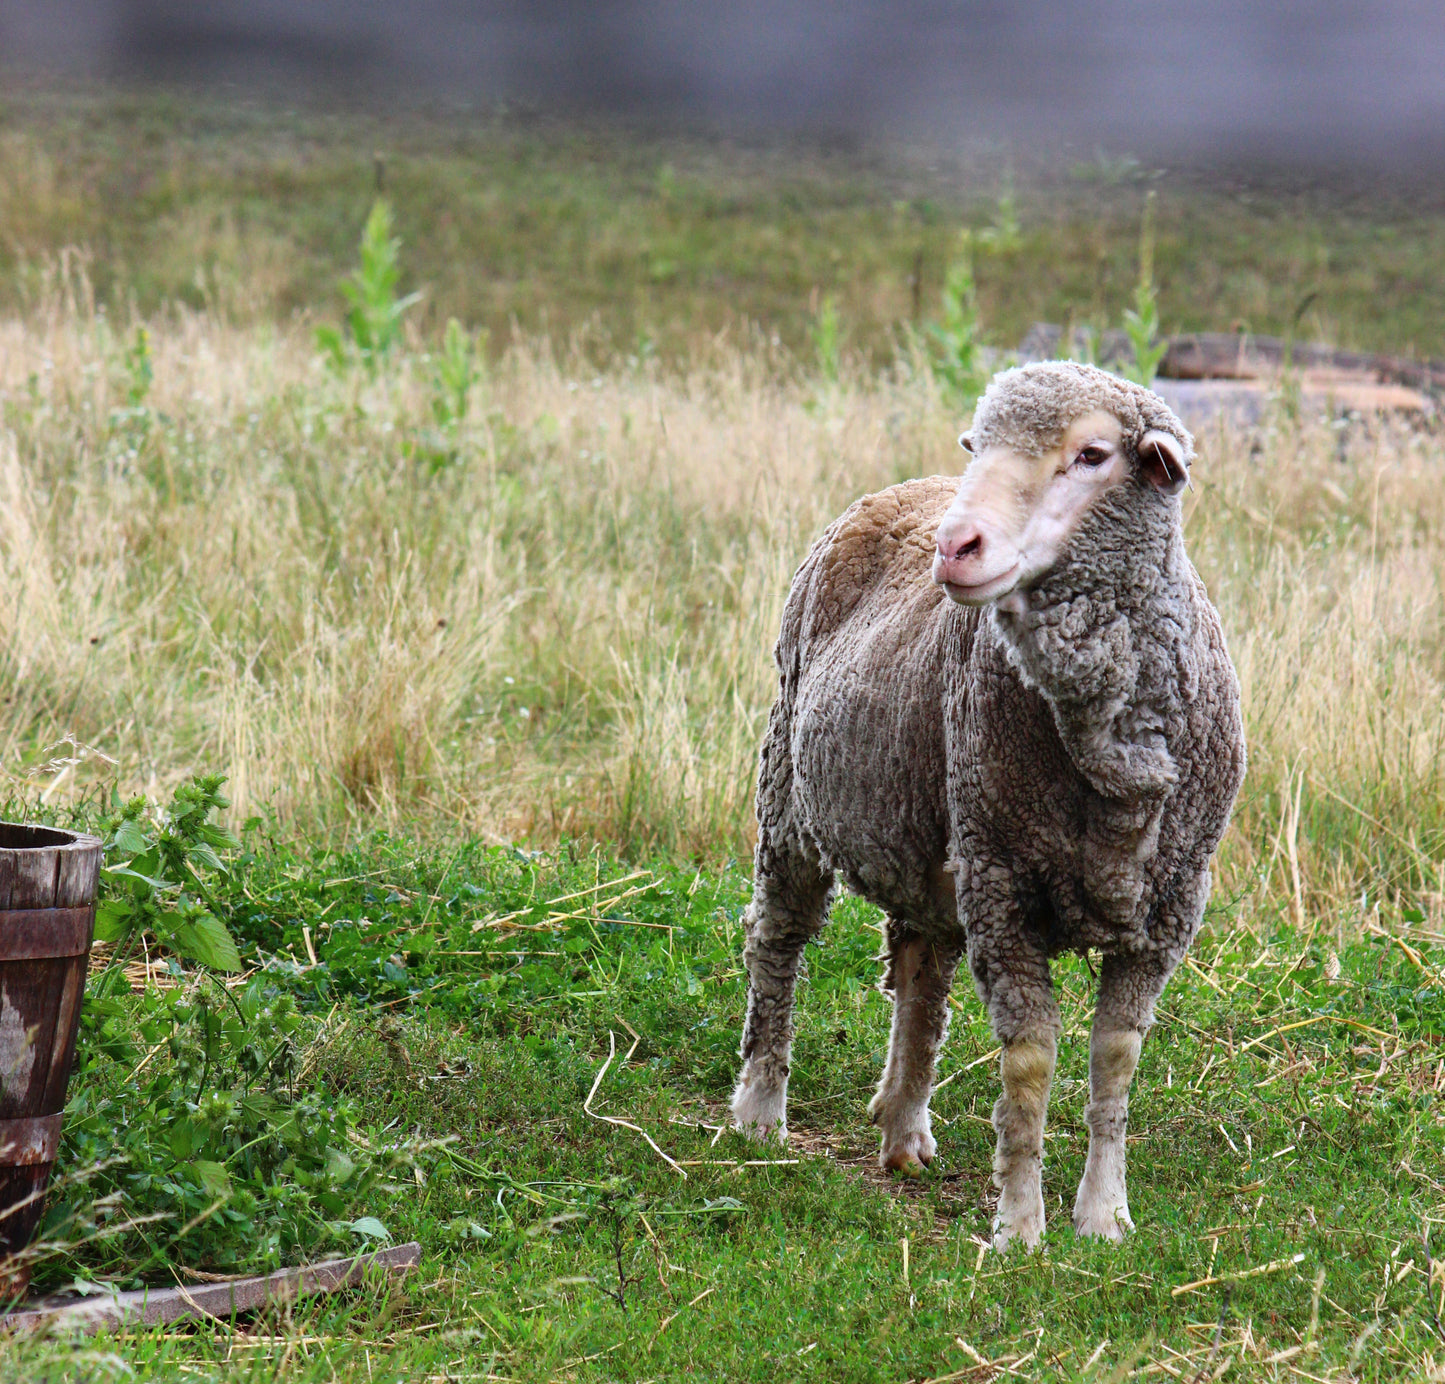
{"x":961,"y":541}
{"x":973,"y":559}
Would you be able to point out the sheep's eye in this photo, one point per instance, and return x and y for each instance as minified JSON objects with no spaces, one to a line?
{"x":1093,"y":456}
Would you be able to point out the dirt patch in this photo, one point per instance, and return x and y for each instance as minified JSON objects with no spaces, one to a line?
{"x":951,"y":1193}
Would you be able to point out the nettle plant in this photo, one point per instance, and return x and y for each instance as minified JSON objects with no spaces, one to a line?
{"x":199,"y":1131}
{"x":154,"y":878}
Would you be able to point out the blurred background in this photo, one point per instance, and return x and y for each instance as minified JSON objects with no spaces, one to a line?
{"x":654,"y":173}
{"x":1315,"y":82}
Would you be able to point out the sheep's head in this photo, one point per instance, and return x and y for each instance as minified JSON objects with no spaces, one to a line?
{"x":1048,"y":441}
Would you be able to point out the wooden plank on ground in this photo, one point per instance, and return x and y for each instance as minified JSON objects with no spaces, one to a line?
{"x":153,"y":1306}
{"x":1231,"y":356}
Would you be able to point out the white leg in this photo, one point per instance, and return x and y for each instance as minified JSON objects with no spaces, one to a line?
{"x":1129,"y":986}
{"x":1027,"y":1069}
{"x":1102,"y":1206}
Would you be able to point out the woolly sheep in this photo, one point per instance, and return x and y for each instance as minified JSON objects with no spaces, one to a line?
{"x":1007,"y":717}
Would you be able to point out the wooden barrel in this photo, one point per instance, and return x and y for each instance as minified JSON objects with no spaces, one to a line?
{"x":48,"y":881}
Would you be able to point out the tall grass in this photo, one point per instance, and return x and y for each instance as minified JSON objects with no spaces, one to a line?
{"x":1322,"y":547}
{"x":566,"y":630}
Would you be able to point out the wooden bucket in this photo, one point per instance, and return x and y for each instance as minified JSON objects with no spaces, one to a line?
{"x":48,"y":881}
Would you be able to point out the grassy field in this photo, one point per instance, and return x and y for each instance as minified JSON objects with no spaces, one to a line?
{"x":487,"y":664}
{"x":636,"y":242}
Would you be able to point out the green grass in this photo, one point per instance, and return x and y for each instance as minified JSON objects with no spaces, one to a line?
{"x":1278,"y":1113}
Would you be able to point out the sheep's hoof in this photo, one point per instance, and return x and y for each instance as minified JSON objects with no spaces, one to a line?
{"x":1005,"y":1237}
{"x":762,"y":1133}
{"x":1020,"y":1218}
{"x":909,"y":1154}
{"x":761,"y":1114}
{"x":1106,"y":1222}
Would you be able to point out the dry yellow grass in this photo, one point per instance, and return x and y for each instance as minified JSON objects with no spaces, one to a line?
{"x":567,"y":631}
{"x":1322,"y":548}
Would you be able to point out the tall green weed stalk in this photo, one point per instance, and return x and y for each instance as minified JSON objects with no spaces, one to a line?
{"x":827,"y":338}
{"x":1004,"y":234}
{"x":139,"y":369}
{"x":374,"y":321}
{"x":456,"y":369}
{"x":958,"y":363}
{"x":1141,"y":322}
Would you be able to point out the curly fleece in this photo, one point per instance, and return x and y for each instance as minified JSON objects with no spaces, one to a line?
{"x":1029,"y":408}
{"x":1005,"y":783}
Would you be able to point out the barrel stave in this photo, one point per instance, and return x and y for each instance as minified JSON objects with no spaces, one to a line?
{"x":44,"y":955}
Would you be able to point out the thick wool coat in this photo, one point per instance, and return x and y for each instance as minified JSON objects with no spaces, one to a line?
{"x":1047,"y":775}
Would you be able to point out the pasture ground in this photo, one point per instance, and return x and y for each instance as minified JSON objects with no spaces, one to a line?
{"x":487,"y":663}
{"x":1285,"y":1154}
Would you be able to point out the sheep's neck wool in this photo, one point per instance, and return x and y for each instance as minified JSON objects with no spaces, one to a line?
{"x":1107,"y":640}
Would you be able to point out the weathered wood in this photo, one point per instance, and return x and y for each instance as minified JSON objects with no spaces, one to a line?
{"x":33,"y":883}
{"x":152,"y":1306}
{"x":1247,"y":402}
{"x":1232,"y":356}
{"x":1225,"y":356}
{"x":67,"y":1030}
{"x":22,"y":1197}
{"x":34,"y":1139}
{"x":28,"y":934}
{"x":77,"y":878}
{"x":48,"y":880}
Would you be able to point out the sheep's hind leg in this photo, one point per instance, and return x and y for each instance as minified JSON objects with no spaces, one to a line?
{"x":789,"y":907}
{"x":1128,"y":988}
{"x":919,"y":975}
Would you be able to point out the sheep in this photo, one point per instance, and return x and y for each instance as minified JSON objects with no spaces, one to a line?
{"x":1007,"y":717}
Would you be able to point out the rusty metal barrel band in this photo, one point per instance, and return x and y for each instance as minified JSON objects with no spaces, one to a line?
{"x":33,"y":934}
{"x":34,"y":1139}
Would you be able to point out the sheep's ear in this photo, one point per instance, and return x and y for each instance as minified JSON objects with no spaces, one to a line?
{"x":1161,"y":459}
{"x":965,"y":440}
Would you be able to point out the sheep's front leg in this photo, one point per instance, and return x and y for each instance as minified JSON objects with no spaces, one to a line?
{"x":919,"y":975}
{"x":788,"y":909}
{"x":1027,"y":1070}
{"x":1128,"y":988}
{"x":1011,"y":971}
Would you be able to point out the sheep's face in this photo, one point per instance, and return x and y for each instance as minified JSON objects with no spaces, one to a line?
{"x":1015,"y":512}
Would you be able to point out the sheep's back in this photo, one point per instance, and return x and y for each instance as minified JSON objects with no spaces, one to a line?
{"x":863,"y":659}
{"x":874,"y":560}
